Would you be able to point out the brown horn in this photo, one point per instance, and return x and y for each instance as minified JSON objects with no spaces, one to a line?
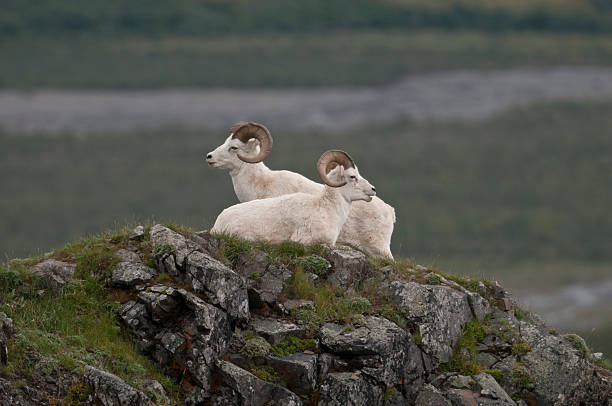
{"x":244,"y":131}
{"x":329,"y":160}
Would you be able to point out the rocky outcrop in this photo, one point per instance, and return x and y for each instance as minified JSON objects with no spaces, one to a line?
{"x":246,"y":333}
{"x":197,"y":334}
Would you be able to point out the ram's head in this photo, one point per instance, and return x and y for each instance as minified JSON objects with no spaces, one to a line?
{"x":247,"y":142}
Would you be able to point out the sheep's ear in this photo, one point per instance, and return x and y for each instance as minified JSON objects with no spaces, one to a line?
{"x":341,"y":172}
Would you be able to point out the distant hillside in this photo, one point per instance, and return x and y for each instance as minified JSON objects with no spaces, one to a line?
{"x":218,"y":17}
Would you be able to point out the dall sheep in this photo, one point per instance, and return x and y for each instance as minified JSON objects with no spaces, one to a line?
{"x":301,"y":217}
{"x":369,"y":226}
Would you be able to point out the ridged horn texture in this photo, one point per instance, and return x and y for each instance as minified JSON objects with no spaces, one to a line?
{"x":244,"y":131}
{"x":329,"y":160}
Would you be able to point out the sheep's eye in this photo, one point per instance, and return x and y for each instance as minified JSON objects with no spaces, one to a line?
{"x":233,"y":148}
{"x":353,"y":177}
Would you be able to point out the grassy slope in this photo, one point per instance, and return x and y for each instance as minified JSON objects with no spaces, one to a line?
{"x":342,"y":58}
{"x":60,"y":333}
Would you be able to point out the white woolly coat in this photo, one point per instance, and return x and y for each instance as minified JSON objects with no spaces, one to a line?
{"x":369,"y":225}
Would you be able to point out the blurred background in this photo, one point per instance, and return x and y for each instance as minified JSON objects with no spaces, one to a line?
{"x":486,"y":124}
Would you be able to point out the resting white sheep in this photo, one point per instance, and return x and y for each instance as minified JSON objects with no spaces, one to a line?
{"x":369,"y":225}
{"x":302,"y":217}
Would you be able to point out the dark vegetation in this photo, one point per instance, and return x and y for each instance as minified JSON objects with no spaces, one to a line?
{"x":344,"y":58}
{"x":219,"y":17}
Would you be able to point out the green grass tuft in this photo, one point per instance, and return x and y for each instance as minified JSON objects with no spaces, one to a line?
{"x":255,"y":346}
{"x":464,"y":355}
{"x":495,"y":373}
{"x":315,"y":264}
{"x":520,"y":349}
{"x":291,"y":345}
{"x":578,"y":343}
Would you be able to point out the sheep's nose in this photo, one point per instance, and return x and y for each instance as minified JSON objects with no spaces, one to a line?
{"x":209,"y":156}
{"x":373,"y":189}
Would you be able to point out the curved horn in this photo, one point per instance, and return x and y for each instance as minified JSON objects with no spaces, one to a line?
{"x":329,"y":160}
{"x":244,"y":131}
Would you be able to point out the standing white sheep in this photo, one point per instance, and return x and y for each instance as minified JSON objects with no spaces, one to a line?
{"x":369,"y":225}
{"x":301,"y":217}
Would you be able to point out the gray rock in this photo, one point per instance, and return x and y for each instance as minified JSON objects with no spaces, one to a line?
{"x":252,"y":390}
{"x":219,"y":284}
{"x":128,"y":274}
{"x":292,"y":304}
{"x":137,"y":234}
{"x":558,"y":370}
{"x":164,"y":239}
{"x":266,"y":289}
{"x":480,"y":306}
{"x":208,"y":243}
{"x":492,"y":393}
{"x":55,"y":273}
{"x":350,"y":268}
{"x":298,"y":370}
{"x":3,"y":348}
{"x":156,"y":392}
{"x":349,"y":389}
{"x":6,"y":324}
{"x":439,"y":312}
{"x":182,"y":332}
{"x":486,"y":360}
{"x":274,"y":330}
{"x":460,"y":382}
{"x":225,"y":397}
{"x":430,"y":396}
{"x":110,"y":390}
{"x":252,"y":262}
{"x":127,"y":256}
{"x":388,"y":353}
{"x":463,"y":397}
{"x":162,"y":301}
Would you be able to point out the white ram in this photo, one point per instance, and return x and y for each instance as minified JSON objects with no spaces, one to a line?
{"x":302,"y":217}
{"x":369,"y":226}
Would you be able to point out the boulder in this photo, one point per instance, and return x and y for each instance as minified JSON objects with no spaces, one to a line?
{"x":55,"y":273}
{"x":349,"y":389}
{"x":127,"y":256}
{"x":172,"y":246}
{"x":298,"y":371}
{"x":274,"y":330}
{"x":430,"y":396}
{"x":560,"y":373}
{"x":437,"y":312}
{"x":208,"y":243}
{"x":349,"y":268}
{"x":219,"y":284}
{"x":128,"y":274}
{"x":137,"y":234}
{"x":383,"y":350}
{"x":110,"y":390}
{"x":265,"y":290}
{"x":253,"y":391}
